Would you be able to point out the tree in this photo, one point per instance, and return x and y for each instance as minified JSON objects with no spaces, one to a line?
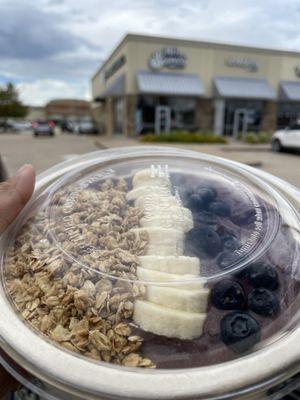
{"x":10,"y":105}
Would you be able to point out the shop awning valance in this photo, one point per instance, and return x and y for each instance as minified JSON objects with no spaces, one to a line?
{"x":246,"y":88}
{"x":165,"y":83}
{"x":290,"y":90}
{"x":116,"y":88}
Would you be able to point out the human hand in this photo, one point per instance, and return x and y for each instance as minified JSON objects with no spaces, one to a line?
{"x":14,"y":194}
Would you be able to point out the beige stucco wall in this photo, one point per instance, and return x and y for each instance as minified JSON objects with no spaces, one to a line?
{"x":99,"y":84}
{"x":204,"y":59}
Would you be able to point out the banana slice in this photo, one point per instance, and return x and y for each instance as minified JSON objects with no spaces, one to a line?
{"x":182,"y":265}
{"x":162,"y":241}
{"x":156,"y":201}
{"x":143,"y":191}
{"x":149,"y":275}
{"x":167,"y":321}
{"x":151,"y":177}
{"x":178,"y":299}
{"x":174,"y":217}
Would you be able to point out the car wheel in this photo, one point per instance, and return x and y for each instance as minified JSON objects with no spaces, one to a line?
{"x":35,"y":134}
{"x":276,"y":145}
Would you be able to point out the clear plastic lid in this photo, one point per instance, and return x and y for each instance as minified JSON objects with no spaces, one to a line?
{"x":155,"y":259}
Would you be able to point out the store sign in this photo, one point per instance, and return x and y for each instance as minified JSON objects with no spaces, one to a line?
{"x":115,"y":66}
{"x":167,"y":57}
{"x":245,"y":63}
{"x":297,"y":70}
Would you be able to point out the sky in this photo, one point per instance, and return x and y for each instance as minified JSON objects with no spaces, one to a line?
{"x":51,"y":48}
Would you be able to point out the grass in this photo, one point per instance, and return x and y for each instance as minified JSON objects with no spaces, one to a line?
{"x":183,"y":137}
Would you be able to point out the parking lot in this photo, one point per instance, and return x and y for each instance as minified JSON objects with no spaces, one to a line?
{"x":43,"y":152}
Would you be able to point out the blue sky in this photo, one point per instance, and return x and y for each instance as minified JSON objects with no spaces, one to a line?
{"x":51,"y":48}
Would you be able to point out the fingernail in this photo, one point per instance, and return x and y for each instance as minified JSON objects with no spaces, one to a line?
{"x":22,"y":169}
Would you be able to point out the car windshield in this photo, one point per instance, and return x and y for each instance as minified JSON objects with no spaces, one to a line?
{"x":295,"y":127}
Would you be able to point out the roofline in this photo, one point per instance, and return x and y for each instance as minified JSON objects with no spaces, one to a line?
{"x":68,"y":99}
{"x":193,"y":42}
{"x":114,"y":51}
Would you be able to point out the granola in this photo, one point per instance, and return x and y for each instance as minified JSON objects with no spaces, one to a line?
{"x":86,"y":310}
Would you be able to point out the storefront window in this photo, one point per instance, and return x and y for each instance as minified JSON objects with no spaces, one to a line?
{"x":118,"y":107}
{"x":182,"y":112}
{"x":287,"y":114}
{"x":242,"y":116}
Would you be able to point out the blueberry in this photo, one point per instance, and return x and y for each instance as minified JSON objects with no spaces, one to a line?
{"x":185,"y":194}
{"x":230,"y":242}
{"x":220,"y":208}
{"x":263,"y":302}
{"x":200,"y":199}
{"x":228,"y":295}
{"x":205,"y":217}
{"x":195,"y":202}
{"x":263,"y":275}
{"x":239,"y":331}
{"x":206,"y":239}
{"x":225,"y":259}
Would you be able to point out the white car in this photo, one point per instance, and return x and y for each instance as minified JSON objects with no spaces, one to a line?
{"x":286,"y":138}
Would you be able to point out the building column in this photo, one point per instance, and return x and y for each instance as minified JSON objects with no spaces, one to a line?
{"x":204,"y":115}
{"x":219,"y":114}
{"x":109,"y":114}
{"x":130,"y":106}
{"x":269,"y":117}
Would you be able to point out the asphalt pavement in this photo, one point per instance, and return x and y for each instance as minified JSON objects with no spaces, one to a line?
{"x":44,"y":152}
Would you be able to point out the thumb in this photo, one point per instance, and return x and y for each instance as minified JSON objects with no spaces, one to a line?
{"x":14,"y":194}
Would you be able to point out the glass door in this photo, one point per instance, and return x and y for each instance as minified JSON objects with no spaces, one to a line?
{"x":240,"y":122}
{"x":162,"y":119}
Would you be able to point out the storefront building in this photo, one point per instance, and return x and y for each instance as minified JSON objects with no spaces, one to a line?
{"x":155,"y":84}
{"x":68,"y":110}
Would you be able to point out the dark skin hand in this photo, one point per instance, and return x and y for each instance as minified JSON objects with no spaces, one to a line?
{"x":14,"y":194}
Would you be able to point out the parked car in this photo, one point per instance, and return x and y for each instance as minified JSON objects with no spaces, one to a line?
{"x":84,"y":127}
{"x":43,"y":127}
{"x":14,"y":126}
{"x":288,"y":138}
{"x":66,"y":126}
{"x":18,"y":126}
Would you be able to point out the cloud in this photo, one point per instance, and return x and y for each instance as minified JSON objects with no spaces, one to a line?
{"x":41,"y":91}
{"x":26,"y":32}
{"x":63,"y":41}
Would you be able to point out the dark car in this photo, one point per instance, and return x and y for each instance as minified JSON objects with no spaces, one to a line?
{"x":43,"y":128}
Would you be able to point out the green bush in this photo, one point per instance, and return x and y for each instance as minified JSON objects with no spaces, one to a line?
{"x":257,"y":138}
{"x":264,"y":137}
{"x":183,"y":137}
{"x":251,"y":138}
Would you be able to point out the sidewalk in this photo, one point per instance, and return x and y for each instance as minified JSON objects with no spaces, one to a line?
{"x":284,"y":165}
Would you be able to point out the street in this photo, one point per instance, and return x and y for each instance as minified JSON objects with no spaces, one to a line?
{"x":44,"y":152}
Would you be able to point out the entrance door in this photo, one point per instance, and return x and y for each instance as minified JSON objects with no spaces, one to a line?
{"x":162,"y":119}
{"x":240,"y":121}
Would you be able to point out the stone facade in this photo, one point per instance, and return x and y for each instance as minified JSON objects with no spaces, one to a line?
{"x":269,"y":117}
{"x":109,"y":116}
{"x":205,"y":115}
{"x":130,"y":105}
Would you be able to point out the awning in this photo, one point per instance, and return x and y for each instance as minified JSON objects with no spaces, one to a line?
{"x":246,"y":88}
{"x":116,"y":88}
{"x":168,"y":83}
{"x":289,"y":90}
